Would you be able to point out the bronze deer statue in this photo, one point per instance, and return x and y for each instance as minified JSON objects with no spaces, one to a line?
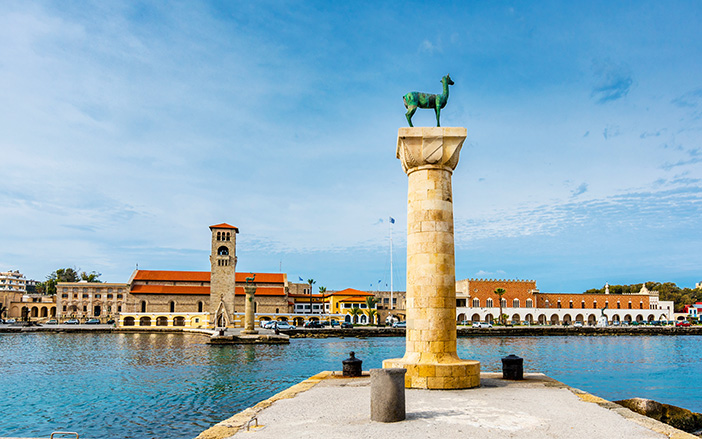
{"x":415,"y":99}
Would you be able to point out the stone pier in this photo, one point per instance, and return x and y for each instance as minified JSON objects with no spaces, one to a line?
{"x":428,"y":157}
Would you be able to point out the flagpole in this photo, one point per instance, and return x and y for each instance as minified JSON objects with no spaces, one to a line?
{"x":392,"y":306}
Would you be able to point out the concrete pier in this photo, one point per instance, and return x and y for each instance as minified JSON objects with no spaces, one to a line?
{"x":328,"y":405}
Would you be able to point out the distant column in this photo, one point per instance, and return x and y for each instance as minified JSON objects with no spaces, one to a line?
{"x":429,"y":156}
{"x":249,"y":310}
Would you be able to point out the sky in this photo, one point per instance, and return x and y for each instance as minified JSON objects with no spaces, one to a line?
{"x":128,"y":128}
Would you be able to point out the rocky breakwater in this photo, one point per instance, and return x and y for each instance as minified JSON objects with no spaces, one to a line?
{"x":677,"y":417}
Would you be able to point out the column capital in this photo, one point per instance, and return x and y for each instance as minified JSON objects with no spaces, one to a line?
{"x":430,"y":146}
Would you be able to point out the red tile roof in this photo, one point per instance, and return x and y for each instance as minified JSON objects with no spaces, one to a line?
{"x":224,"y":226}
{"x":173,"y":276}
{"x":204,"y":276}
{"x":266,"y":278}
{"x":351,"y":292}
{"x":170,"y":289}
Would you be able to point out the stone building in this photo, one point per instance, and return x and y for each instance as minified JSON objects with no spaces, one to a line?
{"x":523,"y":302}
{"x":391,"y":306}
{"x":84,"y":300}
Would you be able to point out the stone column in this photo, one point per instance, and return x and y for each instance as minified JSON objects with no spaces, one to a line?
{"x":429,"y":156}
{"x":249,"y":310}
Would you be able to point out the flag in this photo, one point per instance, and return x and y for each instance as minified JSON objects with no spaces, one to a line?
{"x":300,"y":279}
{"x":392,"y":220}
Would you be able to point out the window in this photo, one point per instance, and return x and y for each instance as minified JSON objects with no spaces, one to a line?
{"x":515,"y":303}
{"x":85,"y":296}
{"x":119,"y":308}
{"x":109,"y":296}
{"x":619,"y":305}
{"x":64,"y":308}
{"x":363,"y":306}
{"x":594,"y":304}
{"x":97,"y":296}
{"x":386,"y":301}
{"x":629,"y":305}
{"x":476,"y":303}
{"x":64,"y":296}
{"x":529,"y":303}
{"x":570,"y":304}
{"x":199,"y":307}
{"x":559,"y":304}
{"x":503,"y":301}
{"x":119,"y":296}
{"x":488,"y":303}
{"x":75,"y":296}
{"x":85,"y":308}
{"x":640,"y":305}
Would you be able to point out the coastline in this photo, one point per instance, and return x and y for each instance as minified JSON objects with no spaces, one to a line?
{"x":363,"y":332}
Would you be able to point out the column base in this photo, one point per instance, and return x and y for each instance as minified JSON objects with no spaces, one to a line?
{"x":456,"y":374}
{"x":248,"y":332}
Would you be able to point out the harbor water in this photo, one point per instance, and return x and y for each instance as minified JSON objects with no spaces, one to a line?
{"x":175,"y":385}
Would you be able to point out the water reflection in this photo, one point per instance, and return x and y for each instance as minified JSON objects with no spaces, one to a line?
{"x":174,"y":385}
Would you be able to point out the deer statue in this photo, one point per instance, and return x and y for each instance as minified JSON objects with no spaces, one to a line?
{"x":415,"y":99}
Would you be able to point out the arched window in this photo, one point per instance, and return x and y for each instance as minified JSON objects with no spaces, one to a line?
{"x":219,"y":237}
{"x":640,"y":305}
{"x":488,"y":303}
{"x":143,"y":306}
{"x":228,"y":236}
{"x":594,"y":304}
{"x":570,"y":304}
{"x":172,"y":306}
{"x":630,"y":304}
{"x":619,"y":305}
{"x":515,"y":303}
{"x":559,"y":303}
{"x":476,"y":303}
{"x":529,"y":303}
{"x":504,"y":302}
{"x":223,"y":251}
{"x":199,"y":306}
{"x":582,"y":304}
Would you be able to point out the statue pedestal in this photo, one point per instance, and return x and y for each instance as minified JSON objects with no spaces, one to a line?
{"x":249,"y":311}
{"x":429,"y":156}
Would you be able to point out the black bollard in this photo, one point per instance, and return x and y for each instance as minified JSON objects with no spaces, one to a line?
{"x":352,"y":366}
{"x":512,"y":368}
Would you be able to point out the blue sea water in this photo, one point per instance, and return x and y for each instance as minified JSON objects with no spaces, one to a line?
{"x":175,"y":385}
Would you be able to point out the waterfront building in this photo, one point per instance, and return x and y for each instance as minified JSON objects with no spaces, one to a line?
{"x":522,"y":302}
{"x":343,"y":302}
{"x":12,"y":282}
{"x":84,"y":300}
{"x":391,"y":305}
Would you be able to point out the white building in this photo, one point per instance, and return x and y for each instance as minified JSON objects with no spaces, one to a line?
{"x":12,"y":282}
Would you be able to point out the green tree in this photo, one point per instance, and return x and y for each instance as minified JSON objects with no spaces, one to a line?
{"x":500,"y":292}
{"x":323,"y":292}
{"x":355,"y":312}
{"x":3,"y":310}
{"x":67,"y":275}
{"x":372,"y":311}
{"x":311,"y":282}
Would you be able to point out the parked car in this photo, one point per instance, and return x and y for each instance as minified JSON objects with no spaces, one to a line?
{"x":10,"y":321}
{"x":346,"y":325}
{"x":334,"y":323}
{"x":52,"y":322}
{"x":93,"y":322}
{"x":313,"y":324}
{"x":285,"y":326}
{"x":399,"y":325}
{"x":110,"y":322}
{"x":578,"y":324}
{"x":72,"y":322}
{"x":464,"y":322}
{"x":683,"y":323}
{"x":268,"y":324}
{"x":482,"y":325}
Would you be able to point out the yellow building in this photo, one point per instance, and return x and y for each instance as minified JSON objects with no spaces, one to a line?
{"x":344,"y":301}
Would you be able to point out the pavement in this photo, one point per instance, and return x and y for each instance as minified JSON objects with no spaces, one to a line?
{"x":329,"y":406}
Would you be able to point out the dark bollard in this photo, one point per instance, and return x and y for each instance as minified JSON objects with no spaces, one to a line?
{"x":512,"y":368}
{"x":352,"y":366}
{"x":388,"y":394}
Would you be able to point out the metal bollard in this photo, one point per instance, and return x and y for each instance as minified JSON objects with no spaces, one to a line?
{"x":388,"y":394}
{"x":513,"y":368}
{"x":352,"y":366}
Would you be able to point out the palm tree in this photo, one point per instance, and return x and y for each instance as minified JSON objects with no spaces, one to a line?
{"x":355,"y":311}
{"x":311,"y":282}
{"x":322,"y":291}
{"x":500,"y":292}
{"x":370,"y":303}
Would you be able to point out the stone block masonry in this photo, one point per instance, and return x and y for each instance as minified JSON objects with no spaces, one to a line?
{"x":428,"y":157}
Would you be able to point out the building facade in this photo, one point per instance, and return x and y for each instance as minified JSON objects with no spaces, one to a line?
{"x":86,"y":300}
{"x":12,"y":282}
{"x":522,"y":302}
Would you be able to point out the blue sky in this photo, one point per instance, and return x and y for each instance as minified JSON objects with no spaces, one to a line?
{"x":129,"y":128}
